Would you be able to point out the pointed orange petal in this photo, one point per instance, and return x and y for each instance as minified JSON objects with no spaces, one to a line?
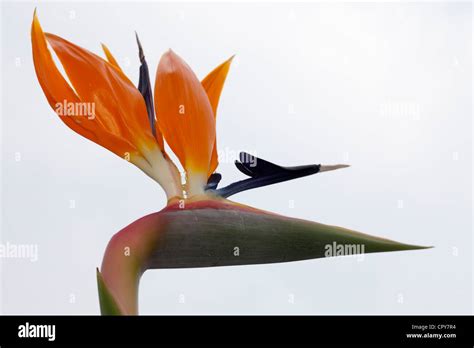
{"x":57,"y":90}
{"x":184,"y":115}
{"x":119,"y":121}
{"x":213,"y":84}
{"x":119,"y":106}
{"x":110,"y":58}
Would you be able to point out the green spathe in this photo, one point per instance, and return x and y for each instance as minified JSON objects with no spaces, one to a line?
{"x":222,"y":234}
{"x":210,"y":237}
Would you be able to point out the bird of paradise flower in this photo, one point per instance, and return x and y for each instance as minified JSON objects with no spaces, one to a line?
{"x":199,"y":227}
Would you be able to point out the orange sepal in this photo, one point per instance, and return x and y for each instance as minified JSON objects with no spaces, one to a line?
{"x":119,"y":105}
{"x":184,"y":113}
{"x":57,"y":90}
{"x":213,"y":84}
{"x":110,"y":58}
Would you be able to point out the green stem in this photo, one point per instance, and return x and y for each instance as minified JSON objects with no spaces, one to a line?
{"x":124,"y":260}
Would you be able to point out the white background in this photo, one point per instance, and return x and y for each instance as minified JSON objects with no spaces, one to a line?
{"x":385,"y":87}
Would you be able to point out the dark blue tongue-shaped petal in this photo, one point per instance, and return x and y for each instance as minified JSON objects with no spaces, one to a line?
{"x":257,"y":168}
{"x":263,"y":173}
{"x":213,"y":181}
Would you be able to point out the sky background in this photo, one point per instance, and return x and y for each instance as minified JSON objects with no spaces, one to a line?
{"x":385,"y":87}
